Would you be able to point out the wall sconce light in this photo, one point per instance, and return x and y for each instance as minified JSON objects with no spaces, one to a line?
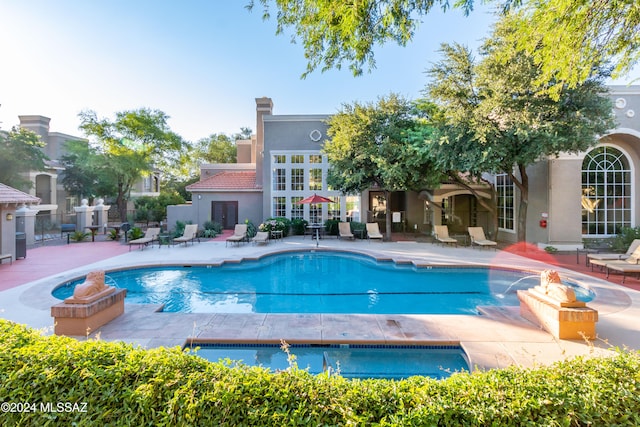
{"x":9,"y":216}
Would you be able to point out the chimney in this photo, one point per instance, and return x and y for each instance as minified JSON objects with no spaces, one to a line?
{"x":264,"y":107}
{"x":36,"y":124}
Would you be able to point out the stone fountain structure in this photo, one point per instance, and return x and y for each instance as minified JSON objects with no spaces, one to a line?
{"x":554,"y":307}
{"x":92,"y":305}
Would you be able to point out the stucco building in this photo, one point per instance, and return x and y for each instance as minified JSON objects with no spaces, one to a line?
{"x":572,"y":197}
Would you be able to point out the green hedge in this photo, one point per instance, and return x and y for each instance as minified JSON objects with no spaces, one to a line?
{"x":123,"y":385}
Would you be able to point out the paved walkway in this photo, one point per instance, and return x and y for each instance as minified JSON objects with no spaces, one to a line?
{"x":498,"y":338}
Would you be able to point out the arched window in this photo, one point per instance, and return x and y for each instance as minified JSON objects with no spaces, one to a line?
{"x":606,"y":192}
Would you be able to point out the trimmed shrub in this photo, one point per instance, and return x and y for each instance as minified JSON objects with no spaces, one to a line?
{"x":211,"y":229}
{"x":299,"y":226}
{"x":277,"y":223}
{"x":106,"y":383}
{"x":79,"y":236}
{"x":135,"y":233}
{"x":625,"y":236}
{"x":331,"y":227}
{"x":251,"y":229}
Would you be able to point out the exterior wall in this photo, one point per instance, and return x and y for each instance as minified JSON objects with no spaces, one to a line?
{"x":249,"y":205}
{"x":199,"y":211}
{"x":243,"y":151}
{"x":175,"y":213}
{"x":8,"y":230}
{"x":209,"y":169}
{"x":299,"y":134}
{"x":565,"y":210}
{"x":539,"y":194}
{"x":626,"y":106}
{"x":564,"y":228}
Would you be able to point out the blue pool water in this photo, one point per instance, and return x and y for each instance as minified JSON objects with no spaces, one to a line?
{"x":320,"y":282}
{"x":350,"y":361}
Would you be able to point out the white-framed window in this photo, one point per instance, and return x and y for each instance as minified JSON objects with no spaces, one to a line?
{"x":280,"y":206}
{"x":315,"y":213}
{"x":505,"y":190}
{"x":279,"y":179}
{"x":333,"y":209}
{"x":315,"y":158}
{"x":606,"y":191}
{"x":315,"y":179}
{"x":298,"y":174}
{"x":297,"y":210}
{"x":297,"y":179}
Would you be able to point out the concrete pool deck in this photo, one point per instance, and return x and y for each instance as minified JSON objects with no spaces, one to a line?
{"x":498,"y":338}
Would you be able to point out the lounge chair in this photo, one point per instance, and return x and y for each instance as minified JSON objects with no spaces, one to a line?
{"x":150,"y":236}
{"x":632,"y":259}
{"x":239,"y":234}
{"x":441,"y":234}
{"x":608,"y":256}
{"x":190,"y":234}
{"x":373,"y":231}
{"x":630,"y":265}
{"x":344,"y":231}
{"x":478,"y":237}
{"x":261,"y":237}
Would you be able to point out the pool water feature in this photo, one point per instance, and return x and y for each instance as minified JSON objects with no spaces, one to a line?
{"x":347,"y":360}
{"x":320,"y":282}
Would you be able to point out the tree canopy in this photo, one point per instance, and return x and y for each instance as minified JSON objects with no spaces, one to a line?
{"x":571,"y":40}
{"x":370,"y":146}
{"x":567,"y":38}
{"x":20,"y":152}
{"x":133,"y":145}
{"x":494,"y":118}
{"x":86,"y":173}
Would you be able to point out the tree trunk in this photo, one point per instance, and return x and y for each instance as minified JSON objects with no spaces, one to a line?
{"x":523,"y":186}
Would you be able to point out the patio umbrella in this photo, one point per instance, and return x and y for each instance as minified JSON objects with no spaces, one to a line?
{"x":312,"y":200}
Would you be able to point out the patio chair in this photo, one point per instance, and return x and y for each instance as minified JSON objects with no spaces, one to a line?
{"x":373,"y":231}
{"x":344,"y":231}
{"x":478,"y":238}
{"x":239,"y":234}
{"x":190,"y":234}
{"x":630,"y":265}
{"x":261,"y":237}
{"x":441,"y":234}
{"x":150,"y":236}
{"x":610,"y":256}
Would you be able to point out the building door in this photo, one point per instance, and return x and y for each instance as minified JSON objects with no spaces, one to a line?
{"x":226,"y":213}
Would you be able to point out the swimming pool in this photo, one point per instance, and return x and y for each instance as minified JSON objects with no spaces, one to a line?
{"x":321,"y":282}
{"x":348,"y":360}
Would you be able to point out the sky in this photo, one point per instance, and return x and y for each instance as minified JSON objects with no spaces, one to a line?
{"x":202,"y":62}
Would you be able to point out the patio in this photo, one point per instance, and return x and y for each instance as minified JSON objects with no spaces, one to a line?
{"x":498,"y":338}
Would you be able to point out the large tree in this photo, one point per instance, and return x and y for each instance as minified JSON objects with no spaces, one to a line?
{"x":500,"y":122}
{"x":133,"y":145}
{"x":86,"y":174}
{"x":572,"y":39}
{"x":20,"y":152}
{"x":371,"y":146}
{"x":567,"y":37}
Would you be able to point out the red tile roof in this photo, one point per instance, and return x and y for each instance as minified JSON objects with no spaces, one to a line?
{"x":241,"y":180}
{"x":11,"y":195}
